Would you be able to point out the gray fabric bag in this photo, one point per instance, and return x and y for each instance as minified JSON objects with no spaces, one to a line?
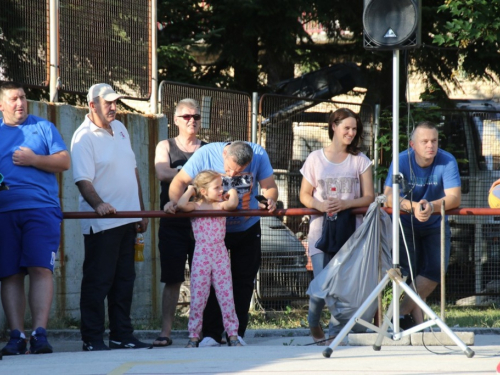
{"x":353,"y":273}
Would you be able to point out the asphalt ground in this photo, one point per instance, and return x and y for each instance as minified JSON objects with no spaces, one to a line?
{"x":272,"y":352}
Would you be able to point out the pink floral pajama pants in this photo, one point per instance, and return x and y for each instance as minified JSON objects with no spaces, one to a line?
{"x":211,"y":266}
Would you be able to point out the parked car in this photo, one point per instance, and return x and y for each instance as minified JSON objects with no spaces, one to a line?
{"x":471,"y":134}
{"x":283,"y":278}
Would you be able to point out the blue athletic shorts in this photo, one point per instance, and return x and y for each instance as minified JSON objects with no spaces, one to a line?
{"x":29,"y":238}
{"x":425,"y":253}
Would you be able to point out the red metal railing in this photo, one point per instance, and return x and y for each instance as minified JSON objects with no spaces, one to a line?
{"x":278,"y":212}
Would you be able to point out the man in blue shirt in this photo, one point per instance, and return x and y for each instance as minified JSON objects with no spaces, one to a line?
{"x":433,"y":177}
{"x":31,"y":153}
{"x":243,"y":166}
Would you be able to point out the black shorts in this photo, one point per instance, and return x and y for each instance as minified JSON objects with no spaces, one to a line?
{"x":176,"y":244}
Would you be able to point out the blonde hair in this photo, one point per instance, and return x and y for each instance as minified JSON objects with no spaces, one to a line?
{"x":202,"y":180}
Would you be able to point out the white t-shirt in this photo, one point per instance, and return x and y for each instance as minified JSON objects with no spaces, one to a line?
{"x":320,"y":172}
{"x":108,"y":162}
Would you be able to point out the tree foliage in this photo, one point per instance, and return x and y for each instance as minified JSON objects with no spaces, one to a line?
{"x":233,"y":42}
{"x":246,"y":44}
{"x":250,"y":45}
{"x":473,"y":27}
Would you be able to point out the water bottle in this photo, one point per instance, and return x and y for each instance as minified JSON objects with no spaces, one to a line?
{"x":139,"y":248}
{"x":332,"y":193}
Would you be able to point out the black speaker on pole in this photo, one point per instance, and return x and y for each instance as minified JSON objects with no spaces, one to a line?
{"x":392,"y":24}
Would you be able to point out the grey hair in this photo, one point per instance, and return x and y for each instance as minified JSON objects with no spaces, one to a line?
{"x":187,"y":102}
{"x":241,"y":153}
{"x":95,"y":100}
{"x":422,"y":124}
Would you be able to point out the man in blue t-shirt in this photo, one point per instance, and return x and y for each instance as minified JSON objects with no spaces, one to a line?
{"x":433,"y":177}
{"x":243,"y":166}
{"x":31,"y":152}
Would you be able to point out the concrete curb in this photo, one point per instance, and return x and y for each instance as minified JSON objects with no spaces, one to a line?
{"x":74,"y":334}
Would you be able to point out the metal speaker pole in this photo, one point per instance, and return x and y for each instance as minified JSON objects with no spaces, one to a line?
{"x":394,"y":274}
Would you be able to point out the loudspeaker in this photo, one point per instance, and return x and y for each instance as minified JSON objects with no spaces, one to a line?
{"x":392,"y":24}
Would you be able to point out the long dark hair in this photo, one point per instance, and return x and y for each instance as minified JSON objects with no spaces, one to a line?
{"x":337,"y":117}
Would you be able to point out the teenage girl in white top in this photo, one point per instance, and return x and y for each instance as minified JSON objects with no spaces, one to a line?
{"x":340,"y":165}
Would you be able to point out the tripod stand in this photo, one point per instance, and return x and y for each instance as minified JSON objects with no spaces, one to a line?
{"x":393,"y":275}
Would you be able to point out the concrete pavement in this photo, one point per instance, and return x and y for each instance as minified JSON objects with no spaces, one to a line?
{"x":268,"y":352}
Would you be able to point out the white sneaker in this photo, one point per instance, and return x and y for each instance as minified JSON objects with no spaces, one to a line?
{"x":242,"y":342}
{"x":208,"y":341}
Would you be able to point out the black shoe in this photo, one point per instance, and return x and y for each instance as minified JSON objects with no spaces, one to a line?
{"x":131,"y":343}
{"x":94,"y":346}
{"x":407,"y":322}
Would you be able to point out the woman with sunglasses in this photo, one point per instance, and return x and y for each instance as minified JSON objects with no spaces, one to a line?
{"x":176,"y":242}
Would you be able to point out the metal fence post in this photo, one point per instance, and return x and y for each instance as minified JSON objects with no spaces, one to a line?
{"x":443,"y":260}
{"x":376,"y":148}
{"x":255,"y":110}
{"x":54,"y":52}
{"x":154,"y":60}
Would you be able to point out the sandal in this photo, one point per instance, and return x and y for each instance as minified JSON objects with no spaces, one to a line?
{"x":234,"y":342}
{"x":192,"y":344}
{"x":318,"y":336}
{"x":168,"y":342}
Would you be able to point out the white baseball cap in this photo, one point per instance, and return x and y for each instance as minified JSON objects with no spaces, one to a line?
{"x":103,"y":90}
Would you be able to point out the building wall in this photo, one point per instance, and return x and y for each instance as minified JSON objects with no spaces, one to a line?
{"x":459,"y":87}
{"x":145,"y":132}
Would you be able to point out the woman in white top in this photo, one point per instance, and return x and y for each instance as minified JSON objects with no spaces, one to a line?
{"x":335,"y":178}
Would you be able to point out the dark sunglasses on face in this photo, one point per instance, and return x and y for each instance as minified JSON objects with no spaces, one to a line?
{"x":188,"y":117}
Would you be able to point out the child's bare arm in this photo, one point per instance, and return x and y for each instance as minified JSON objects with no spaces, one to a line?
{"x":232,"y":202}
{"x":184,"y":204}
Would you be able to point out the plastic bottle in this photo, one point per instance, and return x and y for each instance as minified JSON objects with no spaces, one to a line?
{"x":139,"y":248}
{"x":332,"y":193}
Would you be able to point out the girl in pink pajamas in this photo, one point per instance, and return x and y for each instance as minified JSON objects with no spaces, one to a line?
{"x":211,"y":264}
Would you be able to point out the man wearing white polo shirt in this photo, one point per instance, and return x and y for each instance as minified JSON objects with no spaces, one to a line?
{"x":104,"y":169}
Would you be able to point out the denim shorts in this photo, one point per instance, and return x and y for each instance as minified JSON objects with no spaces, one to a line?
{"x":425,"y":254}
{"x":29,"y":238}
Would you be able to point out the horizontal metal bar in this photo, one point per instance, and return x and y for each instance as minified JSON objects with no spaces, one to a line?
{"x":279,"y":212}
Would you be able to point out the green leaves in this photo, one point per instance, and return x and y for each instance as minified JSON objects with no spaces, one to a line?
{"x":473,"y":21}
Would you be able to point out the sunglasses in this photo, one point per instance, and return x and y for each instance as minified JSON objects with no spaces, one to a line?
{"x":188,"y":117}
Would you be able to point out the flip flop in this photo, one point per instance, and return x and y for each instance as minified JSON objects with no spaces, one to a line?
{"x":167,"y":339}
{"x":315,"y":332}
{"x":321,"y":341}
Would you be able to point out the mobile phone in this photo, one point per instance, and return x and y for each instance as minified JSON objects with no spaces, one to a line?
{"x":261,"y":199}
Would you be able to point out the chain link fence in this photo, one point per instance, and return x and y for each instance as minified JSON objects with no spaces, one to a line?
{"x":105,"y":41}
{"x":290,"y":129}
{"x":98,"y":41}
{"x":225,"y":114}
{"x":473,"y":137}
{"x":109,"y":41}
{"x":24,"y":49}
